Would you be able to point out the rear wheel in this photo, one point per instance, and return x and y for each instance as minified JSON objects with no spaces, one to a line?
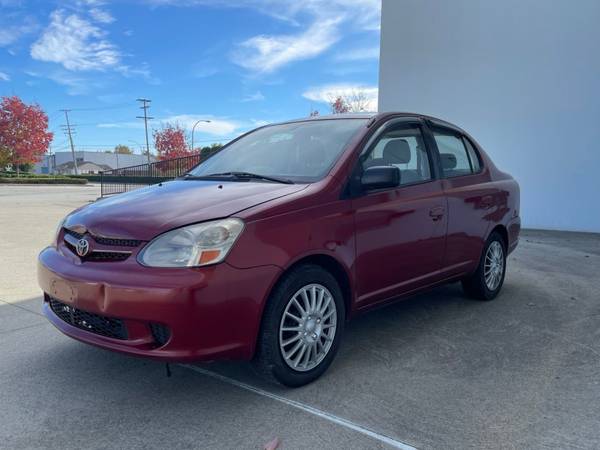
{"x":301,"y":328}
{"x":487,"y":281}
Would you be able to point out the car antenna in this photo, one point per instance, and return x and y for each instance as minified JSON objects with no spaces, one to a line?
{"x":168,"y":367}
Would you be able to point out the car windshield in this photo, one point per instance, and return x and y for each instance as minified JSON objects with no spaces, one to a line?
{"x":299,"y":151}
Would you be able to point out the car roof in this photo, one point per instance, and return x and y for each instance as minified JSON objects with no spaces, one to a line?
{"x":376,"y":116}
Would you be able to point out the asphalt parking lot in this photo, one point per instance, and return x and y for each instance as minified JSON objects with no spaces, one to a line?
{"x":437,"y":371}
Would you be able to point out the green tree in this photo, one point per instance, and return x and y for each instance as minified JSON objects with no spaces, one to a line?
{"x":210,"y":150}
{"x":123,"y":150}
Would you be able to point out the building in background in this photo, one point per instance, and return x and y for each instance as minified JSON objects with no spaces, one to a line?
{"x":59,"y":161}
{"x":83,"y":168}
{"x":522,"y":76}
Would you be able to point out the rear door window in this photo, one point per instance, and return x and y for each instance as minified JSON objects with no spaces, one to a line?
{"x":473,"y":155}
{"x":455,"y":158}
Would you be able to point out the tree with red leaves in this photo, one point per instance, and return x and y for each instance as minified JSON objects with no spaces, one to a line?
{"x":340,"y":106}
{"x":24,"y":135}
{"x":170,"y":142}
{"x":355,"y":101}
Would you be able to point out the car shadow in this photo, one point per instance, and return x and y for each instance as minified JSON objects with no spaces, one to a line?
{"x":378,"y":338}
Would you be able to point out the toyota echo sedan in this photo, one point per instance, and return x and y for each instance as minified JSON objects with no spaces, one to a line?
{"x":265,"y":250}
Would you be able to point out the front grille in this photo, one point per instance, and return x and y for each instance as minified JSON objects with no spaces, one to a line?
{"x":111,"y":242}
{"x":75,"y":234}
{"x":94,"y":323}
{"x":100,"y":255}
{"x":160,"y":333}
{"x":107,"y":256}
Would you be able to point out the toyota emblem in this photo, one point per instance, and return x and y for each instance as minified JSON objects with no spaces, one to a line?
{"x":83,"y":247}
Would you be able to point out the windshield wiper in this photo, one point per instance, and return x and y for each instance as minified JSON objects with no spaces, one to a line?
{"x":238,"y":176}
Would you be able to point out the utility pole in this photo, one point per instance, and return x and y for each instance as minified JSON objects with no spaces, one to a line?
{"x":69,"y":132}
{"x":145,"y":107}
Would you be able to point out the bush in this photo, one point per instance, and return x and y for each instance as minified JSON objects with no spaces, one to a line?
{"x":89,"y":177}
{"x":27,"y":175}
{"x":42,"y":180}
{"x":14,"y":174}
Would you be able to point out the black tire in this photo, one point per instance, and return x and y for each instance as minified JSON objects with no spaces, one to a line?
{"x":475,"y":286}
{"x":269,"y":361}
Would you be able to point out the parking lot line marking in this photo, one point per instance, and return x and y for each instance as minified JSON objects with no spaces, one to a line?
{"x":306,"y":408}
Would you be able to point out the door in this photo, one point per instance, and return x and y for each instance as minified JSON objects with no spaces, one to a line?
{"x":400,"y":232}
{"x":471,"y":199}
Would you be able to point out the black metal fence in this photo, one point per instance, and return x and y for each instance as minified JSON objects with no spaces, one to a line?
{"x":117,"y":181}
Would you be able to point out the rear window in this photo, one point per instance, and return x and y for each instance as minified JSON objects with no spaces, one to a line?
{"x":458,"y":156}
{"x":473,"y":155}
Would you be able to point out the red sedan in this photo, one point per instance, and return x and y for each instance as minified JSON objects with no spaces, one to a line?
{"x":267,"y":248}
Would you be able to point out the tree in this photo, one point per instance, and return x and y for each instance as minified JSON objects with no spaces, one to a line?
{"x":355,"y":101}
{"x":24,"y":135}
{"x":209,"y":150}
{"x":123,"y":150}
{"x":339,"y":106}
{"x":170,"y":142}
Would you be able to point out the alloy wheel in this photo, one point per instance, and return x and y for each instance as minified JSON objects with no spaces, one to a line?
{"x":494,"y":265}
{"x":307,"y":327}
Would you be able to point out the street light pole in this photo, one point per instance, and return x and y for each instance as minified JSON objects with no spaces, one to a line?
{"x":194,"y":128}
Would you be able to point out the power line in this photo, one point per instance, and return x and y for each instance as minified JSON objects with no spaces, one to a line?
{"x":145,"y":107}
{"x":102,"y":108}
{"x":66,"y":111}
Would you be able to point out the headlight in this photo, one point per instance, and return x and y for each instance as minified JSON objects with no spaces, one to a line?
{"x":192,"y":246}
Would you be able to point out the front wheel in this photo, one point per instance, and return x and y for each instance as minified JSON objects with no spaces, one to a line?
{"x":486,"y":282}
{"x":301,"y":328}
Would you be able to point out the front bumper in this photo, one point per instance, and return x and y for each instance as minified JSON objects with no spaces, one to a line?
{"x":212,"y":312}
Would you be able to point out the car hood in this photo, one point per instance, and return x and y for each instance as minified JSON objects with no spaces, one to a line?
{"x":144,"y":213}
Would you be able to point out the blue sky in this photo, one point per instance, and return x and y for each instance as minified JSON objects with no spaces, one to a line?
{"x":237,"y":63}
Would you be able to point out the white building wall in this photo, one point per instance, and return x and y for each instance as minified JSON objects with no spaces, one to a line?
{"x":522,"y":76}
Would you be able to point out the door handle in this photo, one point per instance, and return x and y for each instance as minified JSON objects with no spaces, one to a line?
{"x":437,"y":212}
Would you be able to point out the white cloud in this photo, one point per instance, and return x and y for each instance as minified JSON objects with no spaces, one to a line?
{"x":76,"y":84}
{"x":324,"y":23}
{"x":101,"y":15}
{"x":4,"y":77}
{"x":218,"y":126}
{"x":79,"y":45}
{"x":365,"y":14}
{"x":204,"y":68}
{"x":9,"y":34}
{"x":358,"y":54}
{"x":264,"y":54}
{"x":121,"y":125}
{"x":259,"y":123}
{"x":256,"y":97}
{"x":76,"y":44}
{"x":328,"y":93}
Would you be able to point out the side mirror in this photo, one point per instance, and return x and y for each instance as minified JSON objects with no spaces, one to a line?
{"x":379,"y":177}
